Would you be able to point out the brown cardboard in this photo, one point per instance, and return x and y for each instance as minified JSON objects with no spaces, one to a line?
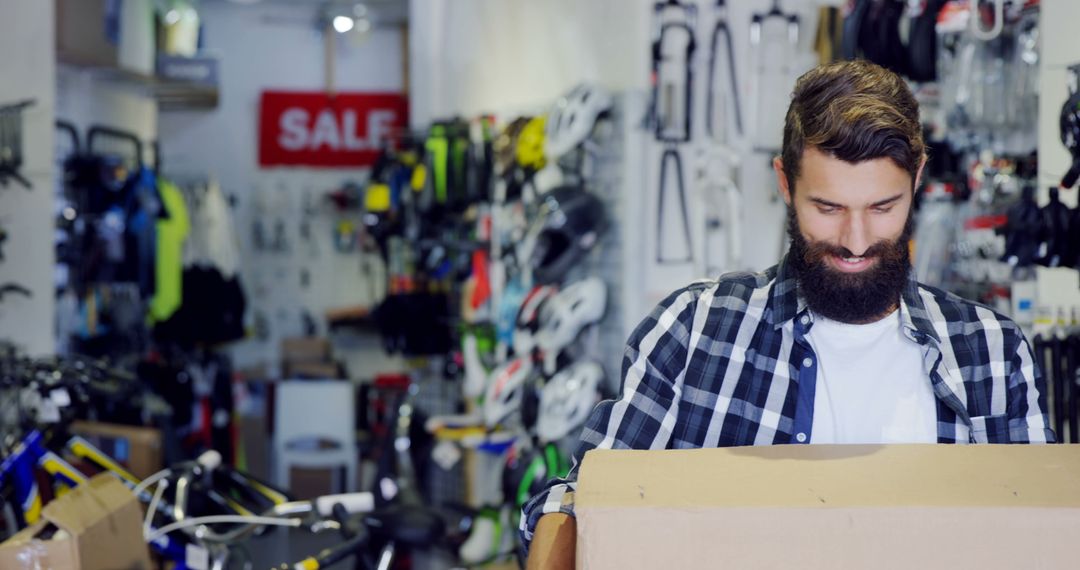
{"x":101,"y":524}
{"x":305,"y":349}
{"x":137,"y":448}
{"x":818,"y":506}
{"x":80,"y":33}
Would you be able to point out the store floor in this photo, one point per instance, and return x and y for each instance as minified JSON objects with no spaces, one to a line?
{"x":288,"y":546}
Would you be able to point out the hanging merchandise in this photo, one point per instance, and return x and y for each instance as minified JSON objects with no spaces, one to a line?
{"x":922,"y":46}
{"x":772,"y":82}
{"x":172,"y":232}
{"x":565,"y":315}
{"x":528,"y":318}
{"x":712,"y":128}
{"x":830,"y":32}
{"x":872,"y":32}
{"x":529,"y":152}
{"x":567,"y":399}
{"x":1055,"y":250}
{"x":671,"y":156}
{"x":505,"y":390}
{"x":571,"y":120}
{"x":663,"y":117}
{"x":1022,"y":229}
{"x":1069,"y":123}
{"x":568,"y":224}
{"x":11,"y":144}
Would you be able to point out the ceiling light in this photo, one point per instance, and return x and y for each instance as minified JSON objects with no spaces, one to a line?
{"x":343,"y":24}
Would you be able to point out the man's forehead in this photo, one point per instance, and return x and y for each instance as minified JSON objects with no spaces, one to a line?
{"x":829,"y":178}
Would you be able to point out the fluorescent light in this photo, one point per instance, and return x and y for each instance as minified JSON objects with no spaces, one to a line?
{"x":343,"y":24}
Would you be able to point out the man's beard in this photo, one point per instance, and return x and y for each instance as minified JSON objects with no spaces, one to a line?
{"x":853,"y":298}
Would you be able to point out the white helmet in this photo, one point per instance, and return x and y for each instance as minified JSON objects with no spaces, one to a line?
{"x":571,"y":119}
{"x":505,"y":390}
{"x":564,"y":315}
{"x":528,"y":318}
{"x":567,"y":399}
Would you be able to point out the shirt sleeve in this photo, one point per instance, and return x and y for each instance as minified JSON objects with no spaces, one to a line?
{"x":644,"y":414}
{"x":1028,"y":420}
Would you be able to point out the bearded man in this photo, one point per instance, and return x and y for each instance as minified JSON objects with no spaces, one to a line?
{"x":838,"y":343}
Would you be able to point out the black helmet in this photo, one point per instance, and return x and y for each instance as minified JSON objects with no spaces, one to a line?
{"x":569,"y":224}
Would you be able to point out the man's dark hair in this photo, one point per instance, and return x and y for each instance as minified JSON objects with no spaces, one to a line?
{"x":853,"y":111}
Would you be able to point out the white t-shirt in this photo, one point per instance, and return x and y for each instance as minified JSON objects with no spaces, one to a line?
{"x":871,"y":385}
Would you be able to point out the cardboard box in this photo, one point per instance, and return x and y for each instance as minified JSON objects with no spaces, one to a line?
{"x":137,"y":448}
{"x":818,"y":506}
{"x":99,"y":528}
{"x":305,"y":349}
{"x":82,"y":36}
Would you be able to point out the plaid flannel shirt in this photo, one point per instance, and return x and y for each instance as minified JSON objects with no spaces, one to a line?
{"x":726,"y":363}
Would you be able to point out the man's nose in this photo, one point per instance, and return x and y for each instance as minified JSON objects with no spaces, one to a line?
{"x":855,"y":234}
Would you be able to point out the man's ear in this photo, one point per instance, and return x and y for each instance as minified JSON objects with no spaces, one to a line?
{"x":918,"y":173}
{"x":781,"y":180}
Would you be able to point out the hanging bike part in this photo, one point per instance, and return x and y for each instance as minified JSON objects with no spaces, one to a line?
{"x":764,"y":132}
{"x":671,"y":154}
{"x":11,"y":137}
{"x":721,"y":28}
{"x":661,"y":108}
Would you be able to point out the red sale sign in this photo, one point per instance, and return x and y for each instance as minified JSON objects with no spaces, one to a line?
{"x":315,"y":129}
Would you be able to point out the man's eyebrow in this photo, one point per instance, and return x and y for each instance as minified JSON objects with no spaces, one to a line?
{"x":886,"y":201}
{"x":878,"y":204}
{"x":824,"y":202}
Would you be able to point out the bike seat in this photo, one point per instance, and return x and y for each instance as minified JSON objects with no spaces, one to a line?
{"x":407,"y":525}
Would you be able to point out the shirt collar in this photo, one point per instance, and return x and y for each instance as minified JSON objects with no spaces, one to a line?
{"x":785,"y":304}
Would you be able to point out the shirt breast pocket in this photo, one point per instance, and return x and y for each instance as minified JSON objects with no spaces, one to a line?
{"x":990,"y":429}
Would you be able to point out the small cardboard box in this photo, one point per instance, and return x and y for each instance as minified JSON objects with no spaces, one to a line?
{"x":305,"y":349}
{"x":99,"y":528}
{"x":835,"y":507}
{"x":137,"y":448}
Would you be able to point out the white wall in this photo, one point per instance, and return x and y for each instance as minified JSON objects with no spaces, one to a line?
{"x":26,"y":40}
{"x":264,"y":47}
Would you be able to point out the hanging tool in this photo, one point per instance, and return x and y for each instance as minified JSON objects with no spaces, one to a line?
{"x":721,"y":28}
{"x":14,"y":289}
{"x":11,"y":151}
{"x":660,"y":116}
{"x":671,"y":155}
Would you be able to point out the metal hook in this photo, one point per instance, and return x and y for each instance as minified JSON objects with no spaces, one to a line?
{"x":976,"y":20}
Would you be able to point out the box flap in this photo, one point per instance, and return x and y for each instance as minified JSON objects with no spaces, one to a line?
{"x":834,"y":476}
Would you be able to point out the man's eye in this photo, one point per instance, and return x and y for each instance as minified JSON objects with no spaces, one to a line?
{"x":883,"y":209}
{"x":828,"y":209}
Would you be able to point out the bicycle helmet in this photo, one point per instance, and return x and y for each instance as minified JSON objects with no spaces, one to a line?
{"x":568,"y":225}
{"x":566,"y":314}
{"x":528,"y":318}
{"x":567,"y":399}
{"x":530,"y":145}
{"x":571,"y":120}
{"x":505,"y":145}
{"x":505,"y":389}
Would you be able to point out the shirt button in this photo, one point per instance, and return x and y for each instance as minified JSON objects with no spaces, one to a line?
{"x":801,"y":437}
{"x":805,"y":319}
{"x":807,"y":362}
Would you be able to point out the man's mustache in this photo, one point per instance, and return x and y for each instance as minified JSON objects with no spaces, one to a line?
{"x":818,"y":250}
